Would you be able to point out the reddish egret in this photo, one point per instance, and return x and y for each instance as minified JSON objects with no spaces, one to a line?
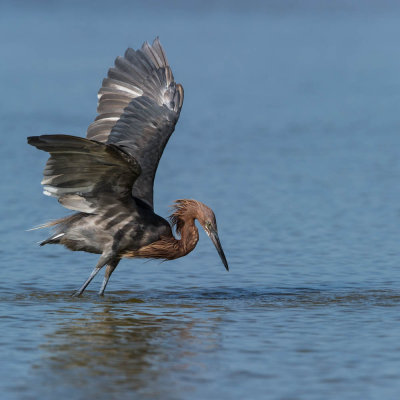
{"x":108,"y":176}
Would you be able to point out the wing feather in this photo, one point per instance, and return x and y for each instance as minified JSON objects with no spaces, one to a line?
{"x":138,"y":105}
{"x":85,"y":175}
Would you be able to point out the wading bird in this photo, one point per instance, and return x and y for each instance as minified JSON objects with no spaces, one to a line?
{"x":108,"y":176}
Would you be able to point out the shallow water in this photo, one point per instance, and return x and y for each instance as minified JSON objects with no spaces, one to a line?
{"x":289,"y":131}
{"x":263,"y":343}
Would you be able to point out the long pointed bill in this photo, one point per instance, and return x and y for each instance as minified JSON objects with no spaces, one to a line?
{"x":215,"y":239}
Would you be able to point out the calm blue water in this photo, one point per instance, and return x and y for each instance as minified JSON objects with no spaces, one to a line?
{"x":290,"y":131}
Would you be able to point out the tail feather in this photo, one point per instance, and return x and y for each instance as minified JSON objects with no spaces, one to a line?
{"x":47,"y":224}
{"x":60,"y":225}
{"x":52,"y":240}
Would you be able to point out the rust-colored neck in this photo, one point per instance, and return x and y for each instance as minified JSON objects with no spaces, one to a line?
{"x":168,"y":247}
{"x":189,"y":237}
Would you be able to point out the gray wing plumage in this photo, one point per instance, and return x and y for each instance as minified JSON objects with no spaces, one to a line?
{"x":139,"y":105}
{"x":84,"y":175}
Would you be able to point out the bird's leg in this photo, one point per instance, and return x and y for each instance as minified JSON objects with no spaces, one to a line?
{"x":100,"y":264}
{"x":88,"y":280}
{"x":109,"y":270}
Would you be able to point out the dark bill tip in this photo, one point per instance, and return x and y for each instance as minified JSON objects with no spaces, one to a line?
{"x":215,"y":239}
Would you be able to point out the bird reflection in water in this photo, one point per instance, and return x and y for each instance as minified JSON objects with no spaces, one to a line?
{"x":137,"y":352}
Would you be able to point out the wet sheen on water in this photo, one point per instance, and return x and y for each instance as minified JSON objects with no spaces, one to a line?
{"x":166,"y":343}
{"x":289,"y":132}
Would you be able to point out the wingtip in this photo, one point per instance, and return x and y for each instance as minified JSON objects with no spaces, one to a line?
{"x":145,"y":45}
{"x":33,"y":140}
{"x":128,"y":52}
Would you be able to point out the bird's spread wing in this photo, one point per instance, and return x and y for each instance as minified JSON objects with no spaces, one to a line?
{"x":85,"y":175}
{"x":139,"y":105}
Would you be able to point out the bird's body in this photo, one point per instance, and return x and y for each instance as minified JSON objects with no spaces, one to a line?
{"x":108,"y":177}
{"x":126,"y":231}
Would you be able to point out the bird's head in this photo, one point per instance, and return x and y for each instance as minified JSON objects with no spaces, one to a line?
{"x":192,"y":209}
